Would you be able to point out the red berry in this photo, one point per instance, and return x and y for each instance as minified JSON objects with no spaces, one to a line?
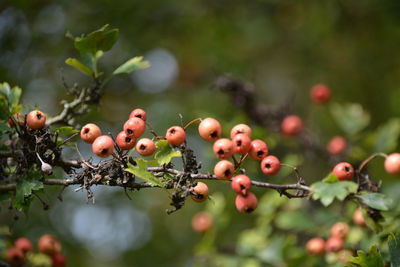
{"x":241,"y":129}
{"x":224,"y":170}
{"x":145,"y":147}
{"x":316,"y":246}
{"x":125,"y":142}
{"x":270,"y":165}
{"x":223,"y":148}
{"x":202,"y":222}
{"x":200,"y":192}
{"x":36,"y":119}
{"x":340,"y":229}
{"x":241,"y":144}
{"x":241,"y":184}
{"x":246,"y":203}
{"x":337,"y":145}
{"x":344,"y":171}
{"x":134,"y":127}
{"x":176,"y":135}
{"x":103,"y":146}
{"x":334,"y":244}
{"x":258,"y":149}
{"x":15,"y":256}
{"x":210,"y":129}
{"x":291,"y":125}
{"x":58,"y":260}
{"x":392,"y":164}
{"x":320,"y":93}
{"x":90,"y":132}
{"x":138,"y":113}
{"x":358,"y":218}
{"x":23,"y":244}
{"x":49,"y":245}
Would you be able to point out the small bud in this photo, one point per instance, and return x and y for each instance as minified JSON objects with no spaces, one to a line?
{"x":46,"y":168}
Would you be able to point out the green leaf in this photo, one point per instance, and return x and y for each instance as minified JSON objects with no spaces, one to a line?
{"x":131,"y":65}
{"x":394,"y":249}
{"x":372,"y":258}
{"x":165,"y":152}
{"x":387,"y":136}
{"x":73,"y":62}
{"x":5,"y":90}
{"x":100,"y":40}
{"x":24,"y":191}
{"x":331,"y":178}
{"x":140,"y":170}
{"x":376,"y":200}
{"x":3,"y":127}
{"x":350,"y":117}
{"x":15,"y":96}
{"x":65,"y":130}
{"x":326,"y":192}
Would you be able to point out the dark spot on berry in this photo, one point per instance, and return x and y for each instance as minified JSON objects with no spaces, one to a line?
{"x":248,"y":210}
{"x":172,"y":131}
{"x":260,"y":153}
{"x":227,"y":173}
{"x":242,"y":187}
{"x":221,"y":152}
{"x":268,"y":166}
{"x":214,"y":134}
{"x":104,"y":151}
{"x":200,"y":196}
{"x":86,"y":130}
{"x":142,"y":147}
{"x":128,"y":139}
{"x":239,"y":143}
{"x":38,"y":115}
{"x":347,"y":169}
{"x":138,"y":116}
{"x":129,"y":131}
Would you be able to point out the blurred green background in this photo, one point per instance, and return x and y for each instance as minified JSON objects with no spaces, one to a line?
{"x":283,"y":47}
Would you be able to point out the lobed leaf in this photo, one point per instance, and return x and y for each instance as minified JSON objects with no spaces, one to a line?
{"x":326,"y":192}
{"x":140,"y":170}
{"x":165,"y":153}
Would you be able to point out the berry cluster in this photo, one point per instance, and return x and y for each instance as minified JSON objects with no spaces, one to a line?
{"x":47,"y":244}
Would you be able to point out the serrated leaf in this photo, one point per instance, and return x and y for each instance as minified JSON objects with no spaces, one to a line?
{"x":73,"y":62}
{"x":327,"y":192}
{"x":331,"y":178}
{"x":394,"y":249}
{"x":165,"y":152}
{"x":24,"y":191}
{"x":99,"y":40}
{"x":140,"y":170}
{"x":387,"y":136}
{"x":376,"y":201}
{"x":131,"y":65}
{"x":351,"y":117}
{"x":65,"y":130}
{"x":372,"y":258}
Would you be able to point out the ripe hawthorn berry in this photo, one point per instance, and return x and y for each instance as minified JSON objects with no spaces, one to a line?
{"x":23,"y":244}
{"x":200,"y":192}
{"x":90,"y":132}
{"x":176,"y":135}
{"x":241,"y":184}
{"x":337,"y":145}
{"x":49,"y":245}
{"x":291,"y":125}
{"x":358,"y":217}
{"x":258,"y":149}
{"x":202,"y":222}
{"x":134,"y":127}
{"x":103,"y":146}
{"x":316,"y":246}
{"x":270,"y":165}
{"x":320,"y":94}
{"x":210,"y":129}
{"x":241,"y":144}
{"x":138,"y":113}
{"x":223,"y":148}
{"x":58,"y":260}
{"x":344,"y":171}
{"x":241,"y":129}
{"x":334,"y":244}
{"x":15,"y":256}
{"x":36,"y":119}
{"x":247,"y":203}
{"x":392,"y":164}
{"x":340,"y":229}
{"x":224,"y":170}
{"x":145,"y":147}
{"x":125,"y":142}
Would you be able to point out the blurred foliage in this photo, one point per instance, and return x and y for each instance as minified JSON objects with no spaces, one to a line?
{"x":283,"y":47}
